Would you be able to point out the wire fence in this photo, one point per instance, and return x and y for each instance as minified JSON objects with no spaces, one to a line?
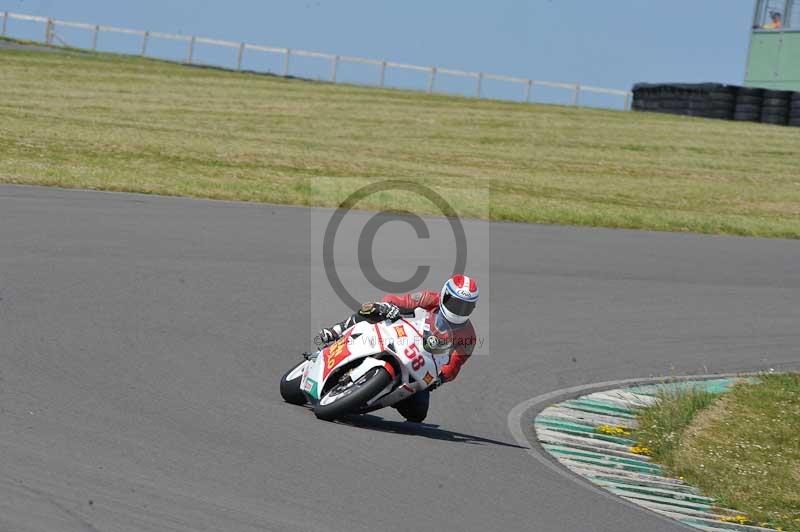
{"x":570,"y":93}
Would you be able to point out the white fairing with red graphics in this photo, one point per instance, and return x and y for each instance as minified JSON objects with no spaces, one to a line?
{"x":397,"y":346}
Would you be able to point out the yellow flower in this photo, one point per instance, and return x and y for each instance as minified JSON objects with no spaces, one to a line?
{"x":740,"y":519}
{"x":612,"y":430}
{"x":641,"y":449}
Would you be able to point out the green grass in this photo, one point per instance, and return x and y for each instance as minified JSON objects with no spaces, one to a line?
{"x":743,"y":449}
{"x":111,"y":122}
{"x":662,"y":425}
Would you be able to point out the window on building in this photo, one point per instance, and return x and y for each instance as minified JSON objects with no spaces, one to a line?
{"x":793,"y":15}
{"x":771,"y":14}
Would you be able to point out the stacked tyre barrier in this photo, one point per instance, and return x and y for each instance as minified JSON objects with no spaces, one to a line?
{"x":725,"y":102}
{"x":749,"y":103}
{"x":794,"y":110}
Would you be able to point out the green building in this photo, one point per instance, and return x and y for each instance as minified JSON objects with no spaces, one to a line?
{"x":774,"y":58}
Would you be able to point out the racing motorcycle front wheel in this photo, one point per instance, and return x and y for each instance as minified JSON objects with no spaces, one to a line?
{"x":348,"y":397}
{"x":290,"y":386}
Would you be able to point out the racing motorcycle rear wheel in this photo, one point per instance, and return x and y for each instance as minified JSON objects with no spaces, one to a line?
{"x":290,"y":386}
{"x":348,"y":397}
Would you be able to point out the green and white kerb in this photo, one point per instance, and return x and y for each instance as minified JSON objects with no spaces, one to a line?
{"x":590,"y":436}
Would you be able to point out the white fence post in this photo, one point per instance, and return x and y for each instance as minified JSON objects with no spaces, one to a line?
{"x":478,"y":85}
{"x":576,"y":95}
{"x":528,"y":91}
{"x":94,"y":37}
{"x":190,"y":58}
{"x":431,"y":79}
{"x":5,"y":23}
{"x":145,"y":38}
{"x":334,"y":67}
{"x":627,"y":105}
{"x":286,"y":62}
{"x":383,"y":74}
{"x":48,"y":32}
{"x":239,"y":58}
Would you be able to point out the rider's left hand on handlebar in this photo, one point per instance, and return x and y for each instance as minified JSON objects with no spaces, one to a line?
{"x":387,"y":311}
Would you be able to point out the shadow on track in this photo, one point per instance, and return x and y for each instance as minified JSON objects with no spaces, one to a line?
{"x":424,"y":430}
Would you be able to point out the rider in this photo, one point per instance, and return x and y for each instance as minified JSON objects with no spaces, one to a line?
{"x":452,"y":332}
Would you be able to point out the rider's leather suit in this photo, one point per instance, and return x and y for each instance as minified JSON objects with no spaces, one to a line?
{"x":462,"y":338}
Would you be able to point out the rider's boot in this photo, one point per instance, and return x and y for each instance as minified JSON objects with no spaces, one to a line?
{"x":368,"y":311}
{"x":334,"y":332}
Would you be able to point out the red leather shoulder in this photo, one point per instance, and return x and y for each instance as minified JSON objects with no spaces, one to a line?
{"x":426,"y":299}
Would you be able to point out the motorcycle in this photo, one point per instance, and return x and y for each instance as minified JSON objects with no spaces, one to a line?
{"x":372,"y":366}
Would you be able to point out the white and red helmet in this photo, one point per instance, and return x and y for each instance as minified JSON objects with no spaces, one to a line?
{"x":458,"y":298}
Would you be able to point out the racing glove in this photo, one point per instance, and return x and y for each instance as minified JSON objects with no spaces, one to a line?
{"x":388,"y":311}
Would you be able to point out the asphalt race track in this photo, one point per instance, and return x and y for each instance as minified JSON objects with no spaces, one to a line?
{"x":142,"y":338}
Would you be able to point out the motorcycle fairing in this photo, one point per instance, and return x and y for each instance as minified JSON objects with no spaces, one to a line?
{"x":401,"y":339}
